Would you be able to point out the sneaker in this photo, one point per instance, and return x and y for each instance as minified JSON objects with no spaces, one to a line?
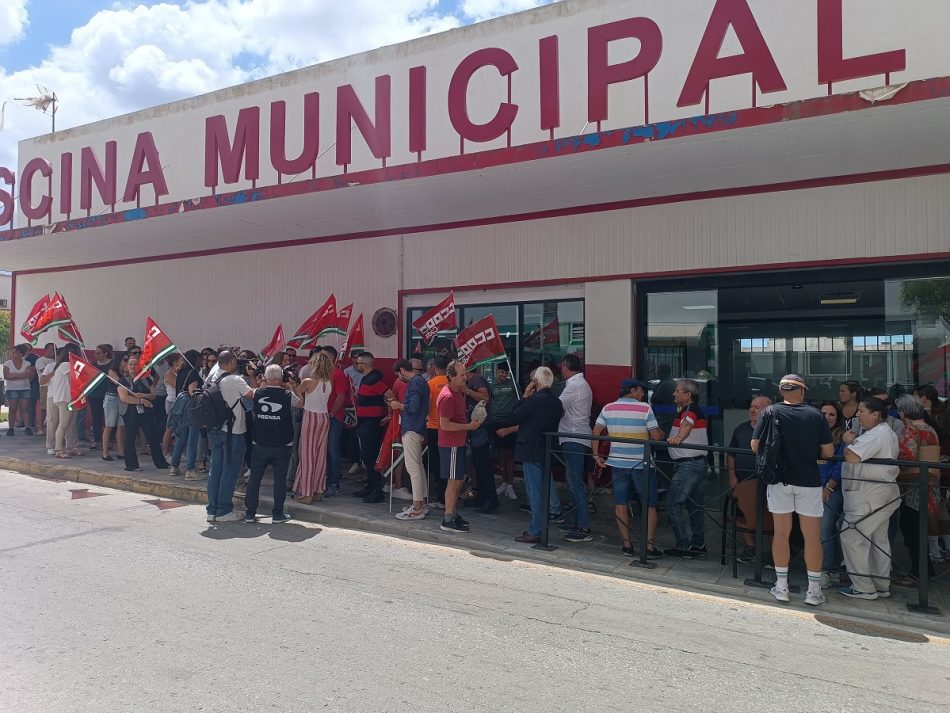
{"x":780,"y":593}
{"x":402,"y":494}
{"x":699,"y":553}
{"x":211,"y":518}
{"x":27,"y":431}
{"x":579,"y":536}
{"x":436,"y":505}
{"x":386,"y":488}
{"x":411,"y":514}
{"x":461,"y":519}
{"x":654,"y":554}
{"x":747,"y":556}
{"x":853,"y":593}
{"x":500,"y":490}
{"x":510,"y":492}
{"x":455,"y":525}
{"x":814,"y":598}
{"x":883,"y":593}
{"x":283,"y":517}
{"x":524,"y":507}
{"x":50,"y":451}
{"x":678,"y":552}
{"x":10,"y":432}
{"x":628,"y":552}
{"x":250,"y":519}
{"x":194,"y":475}
{"x":354,"y":469}
{"x":233,"y":516}
{"x":332,"y":491}
{"x":825,"y":580}
{"x":174,"y":470}
{"x":425,"y":508}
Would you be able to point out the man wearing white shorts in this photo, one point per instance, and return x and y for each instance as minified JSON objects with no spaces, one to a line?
{"x":805,"y":438}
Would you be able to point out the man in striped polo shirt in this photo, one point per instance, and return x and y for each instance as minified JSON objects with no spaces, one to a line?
{"x":630,"y":417}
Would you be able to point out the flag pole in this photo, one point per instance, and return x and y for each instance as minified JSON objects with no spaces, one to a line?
{"x":511,"y":375}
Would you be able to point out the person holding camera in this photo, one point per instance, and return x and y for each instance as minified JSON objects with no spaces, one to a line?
{"x":138,"y":398}
{"x":273,"y":441}
{"x":311,"y":476}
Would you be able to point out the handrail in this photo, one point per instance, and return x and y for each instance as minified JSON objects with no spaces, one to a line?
{"x":649,"y":446}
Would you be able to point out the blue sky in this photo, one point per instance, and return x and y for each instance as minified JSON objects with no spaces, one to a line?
{"x":107,"y":58}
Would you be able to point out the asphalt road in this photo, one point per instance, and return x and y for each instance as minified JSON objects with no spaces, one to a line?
{"x":112,"y":604}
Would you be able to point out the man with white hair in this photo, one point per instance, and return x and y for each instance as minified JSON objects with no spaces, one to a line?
{"x":273,"y":441}
{"x":539,"y":413}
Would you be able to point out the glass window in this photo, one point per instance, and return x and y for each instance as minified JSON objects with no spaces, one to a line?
{"x":918,"y":328}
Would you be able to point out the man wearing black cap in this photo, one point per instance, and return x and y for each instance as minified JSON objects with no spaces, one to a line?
{"x":805,"y":438}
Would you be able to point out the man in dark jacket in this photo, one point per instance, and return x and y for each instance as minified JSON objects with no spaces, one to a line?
{"x":538,"y":414}
{"x":414,"y":411}
{"x":370,"y":412}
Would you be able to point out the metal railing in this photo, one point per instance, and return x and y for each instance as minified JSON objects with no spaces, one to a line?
{"x":758,"y":564}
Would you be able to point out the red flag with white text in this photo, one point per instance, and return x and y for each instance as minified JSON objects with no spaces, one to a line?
{"x":275,"y":344}
{"x":27,"y":330}
{"x":55,"y":315}
{"x":479,"y":343}
{"x":157,"y":346}
{"x":343,"y":319}
{"x":438,"y":319}
{"x":355,"y":339}
{"x":83,"y":378}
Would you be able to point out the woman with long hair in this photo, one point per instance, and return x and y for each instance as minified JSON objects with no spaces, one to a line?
{"x":113,"y":408}
{"x":60,"y":429}
{"x":938,"y":413}
{"x":916,"y":435}
{"x":137,"y":396}
{"x":832,"y":493}
{"x":850,"y":394}
{"x":187,"y":382}
{"x":314,"y":431}
{"x":17,"y":372}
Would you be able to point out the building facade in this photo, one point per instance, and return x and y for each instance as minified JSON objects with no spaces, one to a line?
{"x":724,"y":189}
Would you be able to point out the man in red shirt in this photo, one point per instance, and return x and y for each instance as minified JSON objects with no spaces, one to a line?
{"x":453,"y":431}
{"x":337,"y":409}
{"x":371,"y":409}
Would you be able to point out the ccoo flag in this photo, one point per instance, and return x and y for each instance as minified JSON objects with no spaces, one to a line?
{"x":56,"y":314}
{"x":27,"y":330}
{"x":439,"y":318}
{"x":83,"y":378}
{"x":355,"y":340}
{"x":479,"y":343}
{"x":275,"y":345}
{"x":343,"y":319}
{"x":157,"y":346}
{"x":321,"y":322}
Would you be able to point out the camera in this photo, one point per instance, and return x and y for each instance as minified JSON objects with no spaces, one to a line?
{"x":290,"y":373}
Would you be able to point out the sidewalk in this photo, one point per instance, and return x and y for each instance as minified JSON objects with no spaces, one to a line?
{"x":491,"y":535}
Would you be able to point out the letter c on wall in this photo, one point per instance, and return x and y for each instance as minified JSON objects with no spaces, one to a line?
{"x":458,"y":96}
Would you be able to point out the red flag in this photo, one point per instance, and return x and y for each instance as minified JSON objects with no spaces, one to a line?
{"x":343,"y":319}
{"x":390,"y":436}
{"x":55,"y":315}
{"x":479,"y":343}
{"x":438,"y":319}
{"x":83,"y":378}
{"x":323,"y":321}
{"x":157,"y":346}
{"x":275,"y":345}
{"x":28,"y":326}
{"x":355,"y":340}
{"x":548,"y":335}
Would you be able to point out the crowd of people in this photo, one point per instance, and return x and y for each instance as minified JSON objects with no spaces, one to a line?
{"x":306,"y":423}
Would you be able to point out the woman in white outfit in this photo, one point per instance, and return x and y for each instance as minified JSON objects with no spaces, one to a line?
{"x":871,"y":495}
{"x":60,"y":426}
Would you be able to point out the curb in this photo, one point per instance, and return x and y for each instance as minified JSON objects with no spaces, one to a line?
{"x":939,"y":626}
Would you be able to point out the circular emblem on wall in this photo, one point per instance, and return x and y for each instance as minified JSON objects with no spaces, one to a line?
{"x":384,"y":322}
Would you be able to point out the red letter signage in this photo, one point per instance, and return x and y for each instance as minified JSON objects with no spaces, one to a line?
{"x":756,"y":58}
{"x":417,"y":110}
{"x":458,"y":96}
{"x":246,"y":148}
{"x":600,"y":74}
{"x":43,"y":208}
{"x":6,"y":197}
{"x":832,"y":66}
{"x":550,"y":84}
{"x":145,"y":155}
{"x":378,"y":134}
{"x":91,"y":172}
{"x":311,"y":137}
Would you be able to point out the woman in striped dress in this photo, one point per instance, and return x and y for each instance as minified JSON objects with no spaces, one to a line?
{"x":314,"y":431}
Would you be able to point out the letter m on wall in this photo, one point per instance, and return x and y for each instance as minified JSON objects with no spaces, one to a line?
{"x":244,"y":149}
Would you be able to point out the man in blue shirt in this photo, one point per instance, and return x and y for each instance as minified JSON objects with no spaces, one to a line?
{"x":412,"y":426}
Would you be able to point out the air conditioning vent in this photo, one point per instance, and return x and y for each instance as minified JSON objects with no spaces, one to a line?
{"x":4,"y":304}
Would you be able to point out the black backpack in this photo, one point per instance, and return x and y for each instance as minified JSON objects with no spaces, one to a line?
{"x":207,"y":407}
{"x":769,"y":463}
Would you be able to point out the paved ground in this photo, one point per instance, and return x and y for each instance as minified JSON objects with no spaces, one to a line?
{"x":495,"y":534}
{"x":113,"y":603}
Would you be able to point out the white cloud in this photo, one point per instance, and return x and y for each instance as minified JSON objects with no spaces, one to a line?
{"x":131,"y":57}
{"x":13,"y":20}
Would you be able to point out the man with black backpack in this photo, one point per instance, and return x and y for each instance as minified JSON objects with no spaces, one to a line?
{"x":793,"y":436}
{"x":217,"y":406}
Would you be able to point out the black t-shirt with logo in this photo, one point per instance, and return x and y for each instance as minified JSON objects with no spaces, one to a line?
{"x":804,"y":430}
{"x":745,"y":463}
{"x":273,"y":419}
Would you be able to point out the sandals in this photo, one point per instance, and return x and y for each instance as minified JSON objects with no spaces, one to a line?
{"x":64,"y":455}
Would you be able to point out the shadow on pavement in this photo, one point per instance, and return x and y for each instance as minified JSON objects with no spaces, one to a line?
{"x":286,"y":532}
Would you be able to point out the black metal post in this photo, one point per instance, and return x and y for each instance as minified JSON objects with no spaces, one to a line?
{"x":545,"y":496}
{"x":645,"y":511}
{"x":923,"y":581}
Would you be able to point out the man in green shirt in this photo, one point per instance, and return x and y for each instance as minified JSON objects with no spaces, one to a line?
{"x":504,"y":397}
